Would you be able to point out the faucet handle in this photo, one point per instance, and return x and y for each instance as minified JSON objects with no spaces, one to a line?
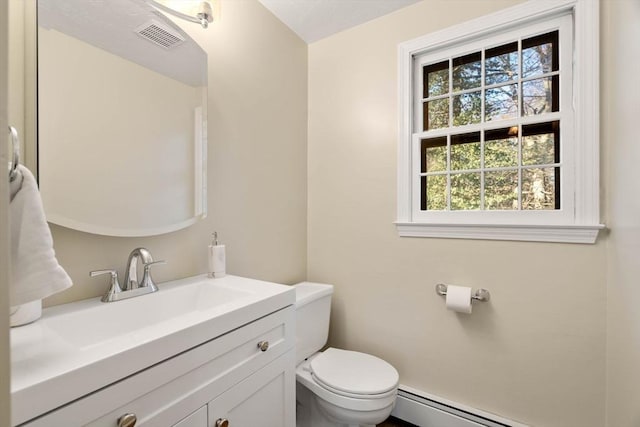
{"x":100,"y":272}
{"x":146,"y":277}
{"x":147,"y":265}
{"x":114,"y":287}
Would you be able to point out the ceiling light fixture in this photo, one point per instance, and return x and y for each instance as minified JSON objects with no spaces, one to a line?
{"x":200,"y":12}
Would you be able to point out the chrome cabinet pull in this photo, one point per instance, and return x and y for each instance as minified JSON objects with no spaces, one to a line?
{"x":127,"y":420}
{"x":222,"y":422}
{"x":263,"y":345}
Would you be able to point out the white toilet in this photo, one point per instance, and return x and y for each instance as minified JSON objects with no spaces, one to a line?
{"x":336,"y":388}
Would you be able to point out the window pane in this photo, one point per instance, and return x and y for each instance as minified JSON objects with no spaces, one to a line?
{"x":467,"y":108}
{"x":434,"y":154}
{"x":436,"y":114}
{"x":541,"y":143}
{"x":501,"y":190}
{"x":540,"y":96}
{"x":467,"y":72}
{"x":465,"y":191}
{"x":501,"y":147}
{"x":435,"y":79}
{"x":434,"y":192}
{"x":541,"y":188}
{"x":501,"y":102}
{"x":501,"y":64}
{"x":540,"y":54}
{"x":465,"y":151}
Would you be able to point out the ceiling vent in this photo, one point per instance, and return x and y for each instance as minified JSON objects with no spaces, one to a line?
{"x":160,"y":34}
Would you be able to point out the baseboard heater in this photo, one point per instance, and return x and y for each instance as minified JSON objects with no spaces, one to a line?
{"x":426,"y":410}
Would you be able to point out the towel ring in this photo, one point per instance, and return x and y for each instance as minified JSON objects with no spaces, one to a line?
{"x":15,"y":144}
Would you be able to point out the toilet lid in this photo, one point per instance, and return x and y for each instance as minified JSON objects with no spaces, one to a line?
{"x":353,"y":372}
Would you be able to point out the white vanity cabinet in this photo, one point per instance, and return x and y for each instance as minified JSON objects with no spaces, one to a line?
{"x":245,"y":376}
{"x":197,"y":419}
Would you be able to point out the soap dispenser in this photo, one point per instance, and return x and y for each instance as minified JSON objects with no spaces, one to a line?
{"x":217,"y":258}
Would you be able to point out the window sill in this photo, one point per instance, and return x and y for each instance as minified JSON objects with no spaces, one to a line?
{"x":524,"y":233}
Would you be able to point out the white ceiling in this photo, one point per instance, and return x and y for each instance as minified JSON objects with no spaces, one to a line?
{"x":110,"y":25}
{"x":313,"y":20}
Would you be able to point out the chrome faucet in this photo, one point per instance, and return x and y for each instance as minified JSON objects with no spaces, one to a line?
{"x":131,"y":278}
{"x":131,"y":288}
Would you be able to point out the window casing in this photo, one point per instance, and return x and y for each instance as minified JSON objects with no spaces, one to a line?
{"x":492,"y":140}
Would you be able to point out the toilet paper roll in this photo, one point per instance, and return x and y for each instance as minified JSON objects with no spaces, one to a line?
{"x":459,"y":299}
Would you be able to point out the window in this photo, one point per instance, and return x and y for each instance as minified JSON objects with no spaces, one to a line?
{"x":506,"y":96}
{"x":498,"y":139}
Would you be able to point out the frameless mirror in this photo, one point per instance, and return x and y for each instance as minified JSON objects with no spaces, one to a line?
{"x":122,"y":95}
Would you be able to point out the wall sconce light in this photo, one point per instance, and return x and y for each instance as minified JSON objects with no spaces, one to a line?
{"x":200,"y":12}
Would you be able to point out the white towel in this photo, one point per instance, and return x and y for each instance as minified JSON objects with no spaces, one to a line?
{"x":15,"y":185}
{"x":35,"y":270}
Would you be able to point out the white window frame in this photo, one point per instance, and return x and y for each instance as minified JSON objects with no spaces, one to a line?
{"x":578,"y":219}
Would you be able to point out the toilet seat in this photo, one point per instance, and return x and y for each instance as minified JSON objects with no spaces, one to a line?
{"x":357,"y":403}
{"x":354,"y":374}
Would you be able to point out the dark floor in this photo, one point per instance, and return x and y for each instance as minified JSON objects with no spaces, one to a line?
{"x":394,"y":422}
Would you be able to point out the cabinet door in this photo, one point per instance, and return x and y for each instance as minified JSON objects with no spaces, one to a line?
{"x":197,"y":419}
{"x":265,"y":399}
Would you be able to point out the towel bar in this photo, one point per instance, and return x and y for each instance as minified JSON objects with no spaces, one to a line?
{"x":15,"y":146}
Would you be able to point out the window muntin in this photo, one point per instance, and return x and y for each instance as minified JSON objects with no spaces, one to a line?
{"x":494,"y":168}
{"x":512,"y":168}
{"x":512,"y":80}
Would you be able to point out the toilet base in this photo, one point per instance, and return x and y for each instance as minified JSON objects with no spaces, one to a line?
{"x":310,"y":412}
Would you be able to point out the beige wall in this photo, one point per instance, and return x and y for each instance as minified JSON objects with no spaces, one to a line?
{"x":257,"y":164}
{"x":536,"y":352}
{"x":621,"y":66}
{"x":5,"y":409}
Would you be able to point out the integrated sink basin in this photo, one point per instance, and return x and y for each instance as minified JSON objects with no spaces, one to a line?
{"x":144,"y":316}
{"x":77,"y":348}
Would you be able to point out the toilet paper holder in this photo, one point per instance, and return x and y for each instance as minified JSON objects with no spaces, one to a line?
{"x":479,"y":295}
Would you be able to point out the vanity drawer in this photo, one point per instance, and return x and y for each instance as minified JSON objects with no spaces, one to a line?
{"x":165,"y":393}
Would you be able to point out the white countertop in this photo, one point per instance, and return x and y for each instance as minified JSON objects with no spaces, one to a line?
{"x":77,"y":348}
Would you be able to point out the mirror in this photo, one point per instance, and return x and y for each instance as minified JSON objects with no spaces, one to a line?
{"x":122,"y":139}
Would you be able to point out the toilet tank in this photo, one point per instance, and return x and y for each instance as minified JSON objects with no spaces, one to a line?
{"x":313,"y":307}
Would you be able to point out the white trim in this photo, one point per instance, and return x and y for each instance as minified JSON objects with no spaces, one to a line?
{"x":580,"y":222}
{"x":411,"y":406}
{"x":405,"y":111}
{"x":516,"y":232}
{"x":587,"y":110}
{"x":525,"y":13}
